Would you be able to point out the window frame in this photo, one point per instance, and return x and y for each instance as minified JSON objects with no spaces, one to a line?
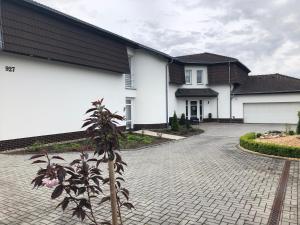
{"x":201,"y":76}
{"x":190,"y":75}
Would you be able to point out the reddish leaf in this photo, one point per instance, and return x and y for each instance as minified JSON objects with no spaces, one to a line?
{"x":36,"y":156}
{"x":57,"y":191}
{"x":128,"y":205}
{"x":104,"y":199}
{"x":39,"y":161}
{"x":57,"y":157}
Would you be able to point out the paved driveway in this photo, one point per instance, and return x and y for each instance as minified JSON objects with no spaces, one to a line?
{"x":200,"y":180}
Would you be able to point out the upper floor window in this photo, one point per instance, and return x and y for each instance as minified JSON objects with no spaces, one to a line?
{"x":129,"y":79}
{"x":199,"y":76}
{"x":188,"y":77}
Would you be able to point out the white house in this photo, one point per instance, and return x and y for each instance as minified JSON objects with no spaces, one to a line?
{"x":53,"y":65}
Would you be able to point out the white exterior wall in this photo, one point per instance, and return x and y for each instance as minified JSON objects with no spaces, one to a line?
{"x":45,"y":97}
{"x":239,"y":100}
{"x":173,"y":101}
{"x":150,"y":79}
{"x":210,"y":106}
{"x":223,"y":100}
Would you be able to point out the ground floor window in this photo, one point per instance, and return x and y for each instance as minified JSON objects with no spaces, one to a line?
{"x":186,"y":109}
{"x":201,"y":109}
{"x":129,"y":124}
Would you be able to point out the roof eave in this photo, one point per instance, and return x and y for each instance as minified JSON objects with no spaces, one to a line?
{"x":205,"y":63}
{"x":196,"y":96}
{"x":267,"y":92}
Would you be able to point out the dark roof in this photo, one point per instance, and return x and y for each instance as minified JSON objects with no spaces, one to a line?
{"x":195,"y":92}
{"x":207,"y":58}
{"x":268,"y":84}
{"x":59,"y":15}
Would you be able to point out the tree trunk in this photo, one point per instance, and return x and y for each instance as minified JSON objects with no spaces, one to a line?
{"x":113,"y":196}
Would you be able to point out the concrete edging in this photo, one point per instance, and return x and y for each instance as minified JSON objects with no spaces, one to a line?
{"x":265,"y":155}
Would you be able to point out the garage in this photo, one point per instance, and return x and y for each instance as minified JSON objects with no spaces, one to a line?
{"x":269,"y":112}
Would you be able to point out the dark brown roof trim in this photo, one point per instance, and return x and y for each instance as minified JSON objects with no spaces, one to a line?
{"x":196,"y":92}
{"x":267,"y":92}
{"x":85,"y":25}
{"x":205,"y":63}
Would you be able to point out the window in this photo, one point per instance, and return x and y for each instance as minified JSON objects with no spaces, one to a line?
{"x":186,"y":109}
{"x":199,"y":76}
{"x":201,"y":109}
{"x":188,"y":77}
{"x":129,"y":81}
{"x":129,"y":113}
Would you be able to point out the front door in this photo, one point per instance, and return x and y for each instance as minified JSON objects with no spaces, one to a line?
{"x":193,"y":109}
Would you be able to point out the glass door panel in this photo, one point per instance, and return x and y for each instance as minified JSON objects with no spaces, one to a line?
{"x":193,"y":109}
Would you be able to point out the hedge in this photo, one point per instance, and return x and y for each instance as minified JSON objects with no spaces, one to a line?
{"x":248,"y":142}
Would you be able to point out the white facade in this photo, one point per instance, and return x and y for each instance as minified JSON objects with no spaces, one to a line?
{"x":44,"y":97}
{"x":223,"y":100}
{"x":150,"y":88}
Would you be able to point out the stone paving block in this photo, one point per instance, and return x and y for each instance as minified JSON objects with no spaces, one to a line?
{"x":199,"y":180}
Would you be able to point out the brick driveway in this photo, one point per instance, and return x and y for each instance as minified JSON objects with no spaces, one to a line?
{"x":200,"y":180}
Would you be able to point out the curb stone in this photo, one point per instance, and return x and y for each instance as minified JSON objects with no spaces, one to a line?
{"x":265,"y":155}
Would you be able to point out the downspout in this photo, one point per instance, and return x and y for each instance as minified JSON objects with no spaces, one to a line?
{"x":167,"y":92}
{"x":229,"y":78}
{"x":218,"y":108}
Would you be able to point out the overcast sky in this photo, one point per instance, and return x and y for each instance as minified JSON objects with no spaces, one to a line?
{"x":263,"y":34}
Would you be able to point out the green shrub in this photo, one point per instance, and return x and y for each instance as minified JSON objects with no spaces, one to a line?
{"x":258,"y":135}
{"x":298,"y":126}
{"x":131,"y":139}
{"x":291,"y":132}
{"x":182,"y":120}
{"x":248,"y":141}
{"x":174,"y":124}
{"x":36,"y":146}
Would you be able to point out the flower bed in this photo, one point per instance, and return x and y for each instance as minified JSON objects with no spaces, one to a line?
{"x":248,"y":141}
{"x":182,"y":131}
{"x":127,"y":141}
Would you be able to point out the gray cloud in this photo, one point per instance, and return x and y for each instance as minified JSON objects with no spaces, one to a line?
{"x":265,"y":35}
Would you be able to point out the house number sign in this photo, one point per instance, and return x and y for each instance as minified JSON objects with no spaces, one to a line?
{"x":10,"y":69}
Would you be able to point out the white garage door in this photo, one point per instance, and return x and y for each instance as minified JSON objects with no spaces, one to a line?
{"x":271,"y":112}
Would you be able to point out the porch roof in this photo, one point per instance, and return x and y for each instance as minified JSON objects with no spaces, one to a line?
{"x":196,"y":92}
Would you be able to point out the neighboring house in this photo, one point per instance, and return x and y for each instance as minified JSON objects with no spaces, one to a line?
{"x":53,"y":65}
{"x":221,"y":87}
